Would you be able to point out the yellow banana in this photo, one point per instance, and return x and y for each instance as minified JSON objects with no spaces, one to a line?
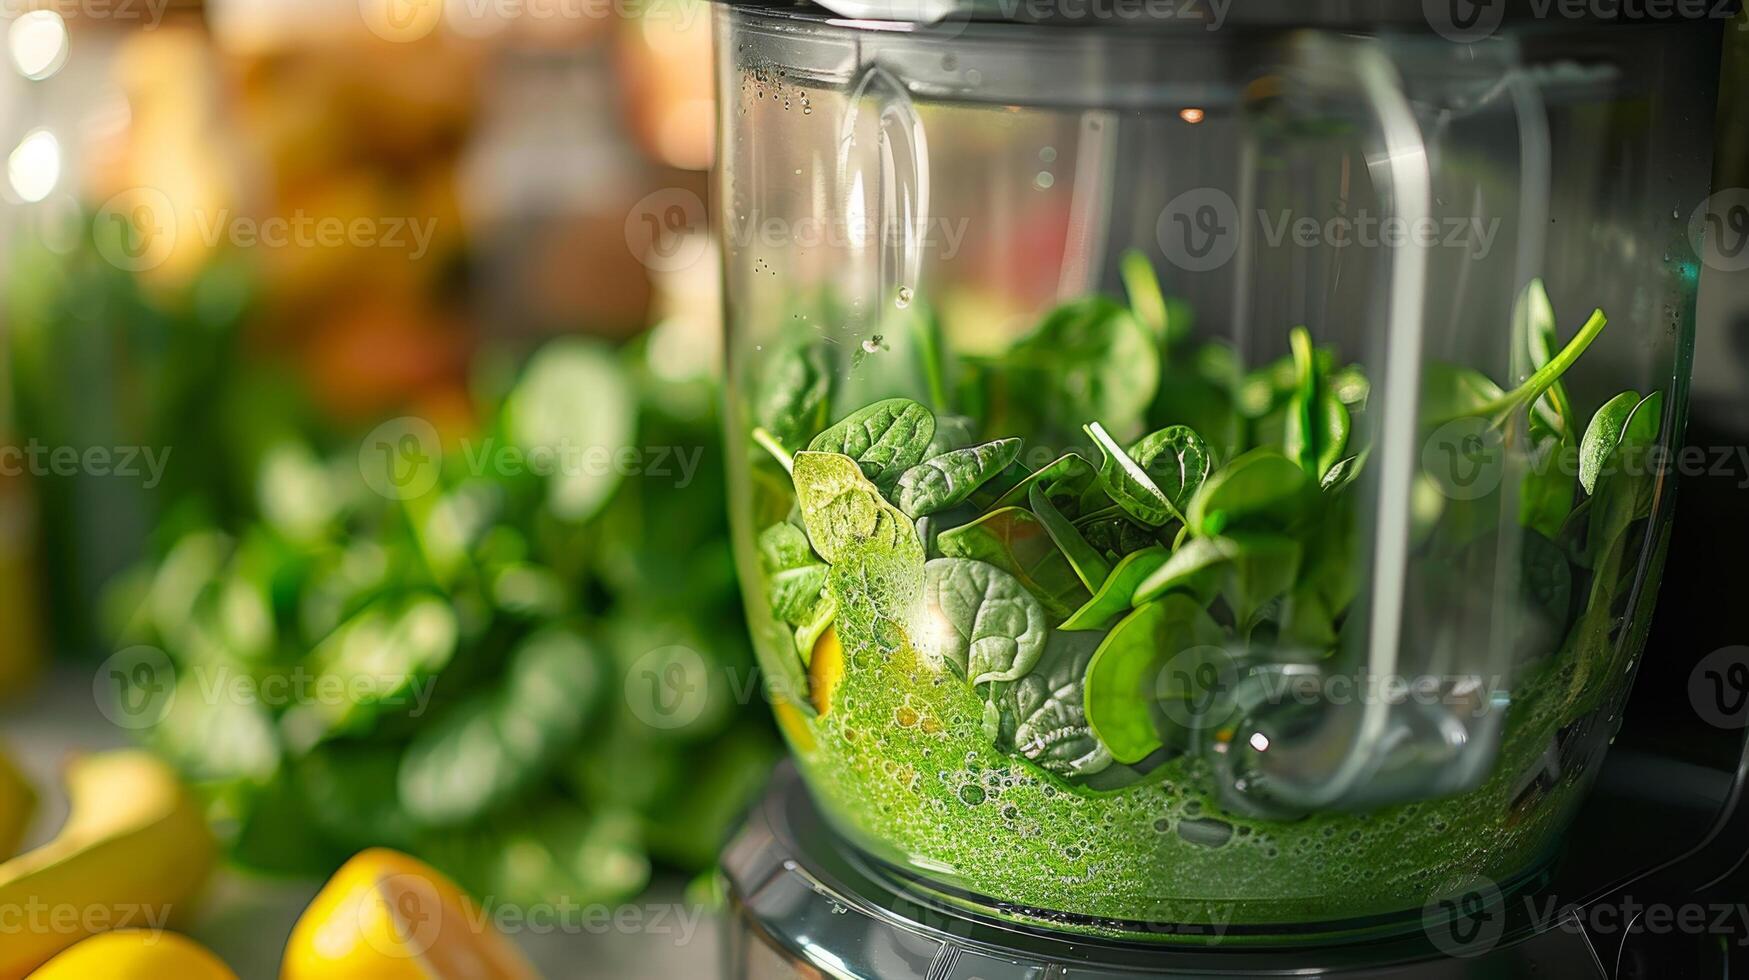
{"x":133,"y":852}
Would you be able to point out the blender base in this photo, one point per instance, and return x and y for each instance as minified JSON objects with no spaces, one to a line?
{"x":806,"y":904}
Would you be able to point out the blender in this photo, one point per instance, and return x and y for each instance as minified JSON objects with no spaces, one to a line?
{"x":1198,"y":476}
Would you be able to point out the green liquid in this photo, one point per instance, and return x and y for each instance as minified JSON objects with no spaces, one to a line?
{"x":901,"y":765}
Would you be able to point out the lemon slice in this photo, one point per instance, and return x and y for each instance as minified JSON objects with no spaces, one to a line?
{"x":387,"y":916}
{"x":135,"y":954}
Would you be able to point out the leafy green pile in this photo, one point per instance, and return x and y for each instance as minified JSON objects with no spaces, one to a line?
{"x":1194,"y":510}
{"x":490,"y":639}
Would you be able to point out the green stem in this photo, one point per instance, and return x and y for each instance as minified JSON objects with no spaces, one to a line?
{"x":1539,"y":382}
{"x":775,"y":448}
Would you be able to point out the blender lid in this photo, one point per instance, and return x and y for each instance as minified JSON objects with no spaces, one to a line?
{"x":1458,"y":19}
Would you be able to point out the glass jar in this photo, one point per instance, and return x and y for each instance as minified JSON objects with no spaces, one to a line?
{"x":1187,"y":476}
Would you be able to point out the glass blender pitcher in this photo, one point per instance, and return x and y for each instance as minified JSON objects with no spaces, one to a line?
{"x":1196,"y":473}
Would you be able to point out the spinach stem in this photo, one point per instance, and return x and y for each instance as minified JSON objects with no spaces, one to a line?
{"x":775,"y":448}
{"x":1539,"y":382}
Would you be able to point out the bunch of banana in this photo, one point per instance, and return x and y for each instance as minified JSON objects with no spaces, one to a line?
{"x":133,"y":853}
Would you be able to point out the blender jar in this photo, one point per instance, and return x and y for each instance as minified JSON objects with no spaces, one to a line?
{"x":1189,"y":472}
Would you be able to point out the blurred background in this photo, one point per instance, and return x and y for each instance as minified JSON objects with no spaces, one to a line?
{"x":361,"y":464}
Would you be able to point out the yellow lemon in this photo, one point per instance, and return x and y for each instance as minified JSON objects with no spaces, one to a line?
{"x":387,"y":916}
{"x":135,"y":954}
{"x":825,"y":669}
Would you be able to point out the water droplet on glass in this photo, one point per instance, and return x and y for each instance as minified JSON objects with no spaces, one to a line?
{"x":903,"y":299}
{"x":1044,"y":180}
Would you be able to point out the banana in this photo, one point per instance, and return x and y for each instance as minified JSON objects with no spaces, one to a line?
{"x":134,"y":851}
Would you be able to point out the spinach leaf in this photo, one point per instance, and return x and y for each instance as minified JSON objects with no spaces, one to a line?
{"x":1343,"y":472}
{"x":381,"y":653}
{"x":1069,"y":471}
{"x":1115,"y":535}
{"x":944,"y":481}
{"x":1090,"y":567}
{"x":1623,"y":494}
{"x":1316,"y":420}
{"x":499,"y":743}
{"x":981,"y":620}
{"x":1533,"y":319}
{"x":843,"y":511}
{"x":1545,"y":495}
{"x":573,"y":395}
{"x":1178,"y":462}
{"x":1117,"y":591}
{"x":884,"y":439}
{"x":793,"y":390}
{"x":1041,"y":716}
{"x":794,"y":577}
{"x":1015,"y":541}
{"x":1128,"y":483}
{"x":1127,"y":675}
{"x":1603,"y":435}
{"x":1089,"y":359}
{"x":1261,"y":488}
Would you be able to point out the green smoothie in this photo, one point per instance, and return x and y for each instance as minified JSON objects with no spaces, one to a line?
{"x":1012,"y":669}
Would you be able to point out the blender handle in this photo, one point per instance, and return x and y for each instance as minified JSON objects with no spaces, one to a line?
{"x":898,"y":186}
{"x":1371,"y":750}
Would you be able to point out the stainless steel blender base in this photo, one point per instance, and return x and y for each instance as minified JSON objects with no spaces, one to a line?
{"x":806,"y":904}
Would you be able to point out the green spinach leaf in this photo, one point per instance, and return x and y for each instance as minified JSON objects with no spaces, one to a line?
{"x":1128,"y":674}
{"x":1128,"y":483}
{"x":1090,"y":566}
{"x":1119,"y":588}
{"x":1603,"y":435}
{"x":1015,"y":541}
{"x":884,"y":439}
{"x":1089,"y":359}
{"x":843,"y":511}
{"x":1261,"y":488}
{"x":1178,"y":462}
{"x":946,"y":480}
{"x":982,"y":621}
